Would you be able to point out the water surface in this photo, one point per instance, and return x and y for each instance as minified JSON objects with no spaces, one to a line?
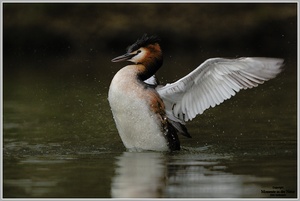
{"x":60,"y":140}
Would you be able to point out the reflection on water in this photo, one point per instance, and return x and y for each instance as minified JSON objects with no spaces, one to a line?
{"x":184,"y":175}
{"x":209,"y":180}
{"x":139,"y":175}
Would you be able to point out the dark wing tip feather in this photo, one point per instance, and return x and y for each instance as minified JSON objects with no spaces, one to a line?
{"x":180,"y":128}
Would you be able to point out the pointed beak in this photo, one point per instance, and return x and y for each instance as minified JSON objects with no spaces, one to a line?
{"x":124,"y":57}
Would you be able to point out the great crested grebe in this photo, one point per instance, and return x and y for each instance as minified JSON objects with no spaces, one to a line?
{"x":149,"y":116}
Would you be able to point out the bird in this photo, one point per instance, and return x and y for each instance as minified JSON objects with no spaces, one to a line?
{"x":150,"y":116}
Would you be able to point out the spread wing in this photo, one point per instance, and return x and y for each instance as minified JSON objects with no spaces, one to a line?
{"x":214,"y":81}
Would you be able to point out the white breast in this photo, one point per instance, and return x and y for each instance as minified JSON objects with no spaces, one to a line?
{"x":137,"y":125}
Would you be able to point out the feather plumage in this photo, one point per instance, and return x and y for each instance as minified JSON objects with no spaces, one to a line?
{"x":213,"y":82}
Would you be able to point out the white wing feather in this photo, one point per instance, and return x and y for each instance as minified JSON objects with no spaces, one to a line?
{"x":214,"y":81}
{"x":151,"y":81}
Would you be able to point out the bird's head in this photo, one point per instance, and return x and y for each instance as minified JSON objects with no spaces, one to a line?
{"x":145,"y":51}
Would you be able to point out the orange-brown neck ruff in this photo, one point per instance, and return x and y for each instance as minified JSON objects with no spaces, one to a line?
{"x":151,"y":61}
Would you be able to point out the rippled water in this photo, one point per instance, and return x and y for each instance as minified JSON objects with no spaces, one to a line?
{"x":59,"y":140}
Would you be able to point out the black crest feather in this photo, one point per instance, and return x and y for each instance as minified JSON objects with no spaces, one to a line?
{"x":143,"y":42}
